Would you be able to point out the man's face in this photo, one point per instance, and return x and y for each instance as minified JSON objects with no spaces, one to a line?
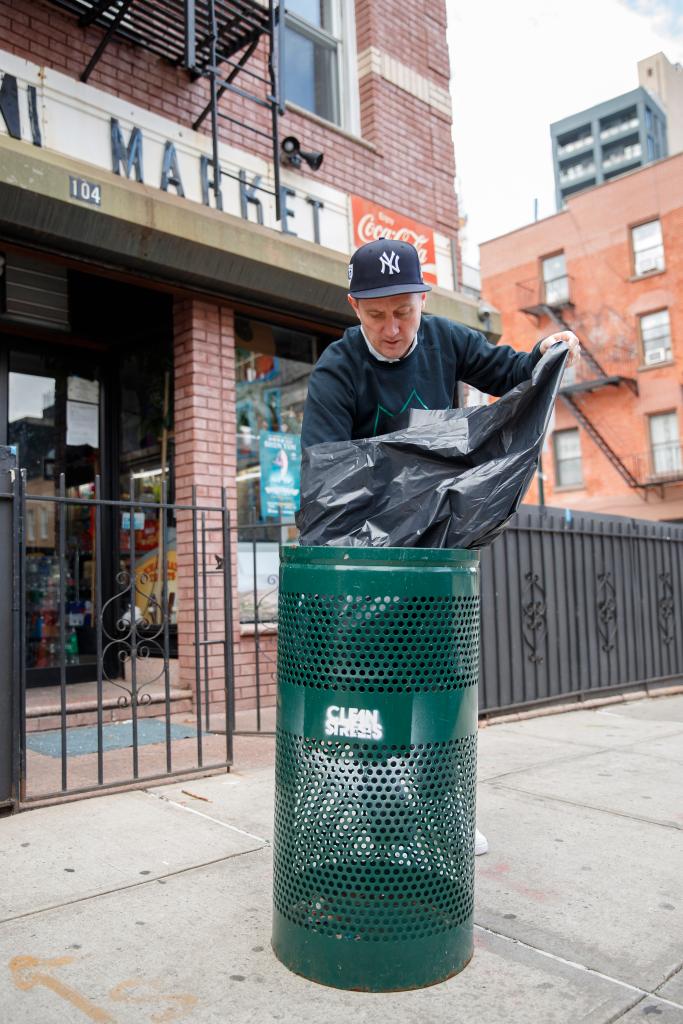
{"x":390,"y":323}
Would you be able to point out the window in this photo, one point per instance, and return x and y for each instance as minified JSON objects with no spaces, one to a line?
{"x":655,"y":332}
{"x":318,"y":73}
{"x":555,"y":280}
{"x":272,"y":371}
{"x":567,"y":445}
{"x":44,"y":523}
{"x":665,"y":444}
{"x":648,"y":247}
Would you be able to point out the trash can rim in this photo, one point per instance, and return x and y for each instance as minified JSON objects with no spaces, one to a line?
{"x":298,"y":553}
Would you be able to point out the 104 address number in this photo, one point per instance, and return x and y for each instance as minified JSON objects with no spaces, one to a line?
{"x":86,"y":191}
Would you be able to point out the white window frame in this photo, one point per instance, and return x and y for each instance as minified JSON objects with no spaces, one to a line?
{"x":578,"y":484}
{"x":554,"y":294}
{"x":666,"y":457}
{"x":659,"y":261}
{"x":666,"y":346}
{"x":344,"y":35}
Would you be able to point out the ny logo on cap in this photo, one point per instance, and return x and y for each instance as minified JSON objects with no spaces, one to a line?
{"x":389,"y":262}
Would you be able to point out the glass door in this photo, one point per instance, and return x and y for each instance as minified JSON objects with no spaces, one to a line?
{"x":145,"y":463}
{"x":54,"y":406}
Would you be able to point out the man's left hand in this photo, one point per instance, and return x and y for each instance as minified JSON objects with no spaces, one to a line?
{"x":572,"y":342}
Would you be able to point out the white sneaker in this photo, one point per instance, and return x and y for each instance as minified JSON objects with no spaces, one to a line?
{"x":481,"y":843}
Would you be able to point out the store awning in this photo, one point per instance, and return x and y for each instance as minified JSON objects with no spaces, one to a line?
{"x":156,"y":236}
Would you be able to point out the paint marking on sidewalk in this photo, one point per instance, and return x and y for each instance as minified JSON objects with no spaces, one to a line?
{"x":29,"y":971}
{"x":209,"y":817}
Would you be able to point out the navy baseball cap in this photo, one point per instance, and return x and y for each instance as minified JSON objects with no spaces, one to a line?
{"x":385,"y":267}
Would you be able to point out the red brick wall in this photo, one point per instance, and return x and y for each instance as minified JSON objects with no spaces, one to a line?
{"x":204,"y":366}
{"x":594,"y":233}
{"x":205,"y":455}
{"x":411,"y":167}
{"x":405,"y":161}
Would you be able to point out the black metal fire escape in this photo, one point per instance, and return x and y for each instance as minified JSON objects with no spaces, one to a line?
{"x":535,"y":303}
{"x":212,"y":39}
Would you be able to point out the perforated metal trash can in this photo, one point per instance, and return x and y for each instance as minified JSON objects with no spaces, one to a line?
{"x":378,"y":660}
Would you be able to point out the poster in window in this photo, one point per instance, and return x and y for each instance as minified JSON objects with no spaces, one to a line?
{"x":280,"y":457}
{"x":82,"y":424}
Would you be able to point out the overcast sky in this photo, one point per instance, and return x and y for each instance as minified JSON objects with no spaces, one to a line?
{"x":516,"y":67}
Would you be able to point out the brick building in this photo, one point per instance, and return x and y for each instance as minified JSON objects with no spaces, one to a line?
{"x":170,"y":273}
{"x":610,"y":267}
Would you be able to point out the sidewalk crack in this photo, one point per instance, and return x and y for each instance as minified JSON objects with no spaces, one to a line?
{"x":642,"y":993}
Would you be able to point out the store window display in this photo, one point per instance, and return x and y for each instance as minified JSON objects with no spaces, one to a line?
{"x":273,"y":364}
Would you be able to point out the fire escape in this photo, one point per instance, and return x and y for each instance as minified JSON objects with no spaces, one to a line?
{"x":210,"y":39}
{"x":551,"y":301}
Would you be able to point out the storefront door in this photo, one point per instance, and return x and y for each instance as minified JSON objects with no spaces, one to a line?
{"x":55,"y":416}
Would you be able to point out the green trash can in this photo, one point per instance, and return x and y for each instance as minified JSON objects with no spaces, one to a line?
{"x":378,"y":665}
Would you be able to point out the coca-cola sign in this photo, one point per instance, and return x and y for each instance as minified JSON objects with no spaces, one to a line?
{"x":371,"y":222}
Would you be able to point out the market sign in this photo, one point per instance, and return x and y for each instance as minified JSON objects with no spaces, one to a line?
{"x":371,"y":222}
{"x":47,"y":109}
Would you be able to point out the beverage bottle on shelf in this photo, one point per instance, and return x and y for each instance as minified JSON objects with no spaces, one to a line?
{"x":72,"y":648}
{"x":42,"y":654}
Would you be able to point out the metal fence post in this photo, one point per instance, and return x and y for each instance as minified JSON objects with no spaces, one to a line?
{"x":10,"y":711}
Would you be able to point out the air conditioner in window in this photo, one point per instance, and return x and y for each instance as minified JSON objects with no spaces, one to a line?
{"x":647,"y":264}
{"x":656,"y":355}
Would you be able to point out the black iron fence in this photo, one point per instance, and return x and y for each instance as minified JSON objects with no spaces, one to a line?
{"x":574,"y":604}
{"x":124,"y":646}
{"x":123,"y":667}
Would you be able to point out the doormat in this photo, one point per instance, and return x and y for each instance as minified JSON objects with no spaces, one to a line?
{"x":115,"y":736}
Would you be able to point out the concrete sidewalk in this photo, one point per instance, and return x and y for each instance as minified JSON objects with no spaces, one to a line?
{"x":154,"y":906}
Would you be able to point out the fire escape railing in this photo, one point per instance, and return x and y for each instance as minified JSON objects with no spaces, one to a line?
{"x":554,"y":303}
{"x":211,"y":39}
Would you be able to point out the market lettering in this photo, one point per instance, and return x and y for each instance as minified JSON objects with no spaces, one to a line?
{"x":285,"y":213}
{"x":127,"y":159}
{"x":316,"y":206}
{"x":208,"y":184}
{"x":129,"y":155}
{"x":10,"y":111}
{"x":170,"y":172}
{"x":248,"y":196}
{"x":360,"y":723}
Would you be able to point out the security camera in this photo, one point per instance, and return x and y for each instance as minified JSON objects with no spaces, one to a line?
{"x":293,"y":155}
{"x":484,"y":312}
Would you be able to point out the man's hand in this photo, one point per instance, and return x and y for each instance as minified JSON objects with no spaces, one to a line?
{"x":572,"y":341}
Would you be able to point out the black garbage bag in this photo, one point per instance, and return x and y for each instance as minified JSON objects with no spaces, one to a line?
{"x":452,"y":479}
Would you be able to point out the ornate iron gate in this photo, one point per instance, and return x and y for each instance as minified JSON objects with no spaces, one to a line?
{"x":138,"y":677}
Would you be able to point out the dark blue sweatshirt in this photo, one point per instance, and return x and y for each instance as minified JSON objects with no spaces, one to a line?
{"x":352,"y":395}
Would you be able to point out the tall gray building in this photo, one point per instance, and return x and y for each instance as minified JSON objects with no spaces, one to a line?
{"x":607,"y":140}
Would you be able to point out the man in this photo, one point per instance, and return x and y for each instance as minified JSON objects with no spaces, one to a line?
{"x":399,"y":359}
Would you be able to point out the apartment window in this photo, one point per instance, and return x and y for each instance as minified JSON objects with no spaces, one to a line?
{"x":648,"y":247}
{"x":318,"y":73}
{"x":655,"y":333}
{"x":665,"y":444}
{"x":567,"y":446}
{"x":555,"y":280}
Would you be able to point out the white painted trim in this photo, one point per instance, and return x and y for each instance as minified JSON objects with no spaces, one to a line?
{"x":375,"y":61}
{"x":348,"y":69}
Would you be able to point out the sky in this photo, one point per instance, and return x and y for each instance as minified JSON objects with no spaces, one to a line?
{"x":518,"y":66}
